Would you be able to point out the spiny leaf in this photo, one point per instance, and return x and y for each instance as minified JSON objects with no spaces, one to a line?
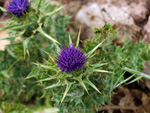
{"x":48,"y":55}
{"x":49,"y":14}
{"x":38,"y":8}
{"x":81,"y":82}
{"x":7,"y":27}
{"x":11,"y":53}
{"x":8,"y":38}
{"x":45,"y":5}
{"x":3,"y":9}
{"x":101,"y":71}
{"x":136,"y":72}
{"x":33,"y":73}
{"x":59,"y":83}
{"x":67,"y":89}
{"x":91,"y":84}
{"x":46,"y":35}
{"x":124,"y":81}
{"x":119,"y":79}
{"x":14,"y":27}
{"x":47,"y":79}
{"x":25,"y":46}
{"x":78,"y":38}
{"x":19,"y":27}
{"x":46,"y":67}
{"x":92,"y":51}
{"x":70,"y":41}
{"x":98,"y":64}
{"x":136,"y":79}
{"x":14,"y":63}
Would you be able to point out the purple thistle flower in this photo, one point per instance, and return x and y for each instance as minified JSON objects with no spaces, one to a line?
{"x":17,"y":7}
{"x":71,"y":59}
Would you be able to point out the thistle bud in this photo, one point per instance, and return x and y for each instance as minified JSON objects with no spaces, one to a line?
{"x":71,"y":59}
{"x":17,"y":7}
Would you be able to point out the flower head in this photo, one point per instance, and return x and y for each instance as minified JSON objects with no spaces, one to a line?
{"x":17,"y":7}
{"x":71,"y":59}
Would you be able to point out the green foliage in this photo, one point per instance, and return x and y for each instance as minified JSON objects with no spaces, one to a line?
{"x":92,"y":86}
{"x":37,"y":30}
{"x":35,"y":54}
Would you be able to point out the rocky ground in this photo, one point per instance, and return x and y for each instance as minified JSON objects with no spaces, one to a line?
{"x":132,"y":18}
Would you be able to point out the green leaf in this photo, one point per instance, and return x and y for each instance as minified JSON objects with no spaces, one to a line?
{"x":46,"y":35}
{"x":91,"y":84}
{"x":14,"y":27}
{"x":136,"y":72}
{"x":58,"y":9}
{"x":14,"y":63}
{"x":101,"y":71}
{"x":38,"y":8}
{"x":70,"y":41}
{"x":98,"y":65}
{"x":3,"y":9}
{"x":19,"y":27}
{"x":25,"y":46}
{"x":92,"y":51}
{"x":59,"y":83}
{"x":8,"y":38}
{"x":67,"y":89}
{"x":81,"y":82}
{"x":45,"y":5}
{"x":11,"y":53}
{"x":136,"y":79}
{"x":78,"y":39}
{"x":33,"y":73}
{"x":124,"y":81}
{"x":46,"y":67}
{"x":47,"y":79}
{"x":118,"y":79}
{"x":7,"y":27}
{"x":48,"y":55}
{"x":51,"y":77}
{"x":49,"y":14}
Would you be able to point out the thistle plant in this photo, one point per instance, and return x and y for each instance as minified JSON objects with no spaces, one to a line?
{"x":45,"y":63}
{"x":31,"y":28}
{"x":28,"y":21}
{"x":71,"y":70}
{"x":83,"y":79}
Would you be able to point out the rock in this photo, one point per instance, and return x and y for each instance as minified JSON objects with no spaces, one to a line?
{"x":140,"y":13}
{"x":146,"y":32}
{"x":147,"y":68}
{"x":90,"y":15}
{"x":3,"y":34}
{"x":48,"y":110}
{"x":95,"y":15}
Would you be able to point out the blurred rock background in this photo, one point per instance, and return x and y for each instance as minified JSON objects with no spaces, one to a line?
{"x":132,"y":18}
{"x":3,"y":34}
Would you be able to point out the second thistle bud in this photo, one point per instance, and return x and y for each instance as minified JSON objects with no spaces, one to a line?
{"x":17,"y":7}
